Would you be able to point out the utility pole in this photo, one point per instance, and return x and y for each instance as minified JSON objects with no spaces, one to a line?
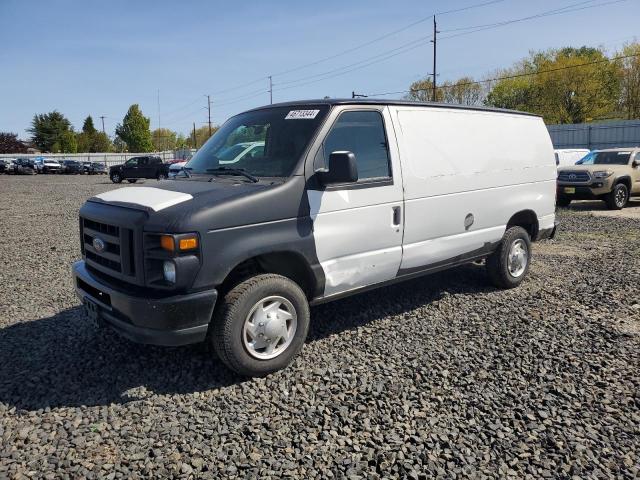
{"x":102,"y":118}
{"x":270,"y":90}
{"x":435,"y":42}
{"x":195,"y":140}
{"x":209,"y":107}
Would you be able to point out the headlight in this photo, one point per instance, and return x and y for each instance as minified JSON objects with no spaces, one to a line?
{"x":602,"y":174}
{"x":169,"y":271}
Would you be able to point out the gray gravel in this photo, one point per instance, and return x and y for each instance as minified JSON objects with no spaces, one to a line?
{"x":443,"y":376}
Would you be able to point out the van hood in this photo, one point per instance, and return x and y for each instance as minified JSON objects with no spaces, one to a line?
{"x":167,"y":194}
{"x":196,"y":205}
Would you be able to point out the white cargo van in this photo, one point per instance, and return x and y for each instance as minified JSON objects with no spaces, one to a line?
{"x":344,"y":196}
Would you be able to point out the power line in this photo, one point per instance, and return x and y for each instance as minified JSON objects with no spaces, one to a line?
{"x":360,"y":46}
{"x":508,"y":77}
{"x":421,"y":41}
{"x":560,"y":11}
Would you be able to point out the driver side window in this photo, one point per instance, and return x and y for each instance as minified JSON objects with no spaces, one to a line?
{"x":132,"y":162}
{"x":363,"y":134}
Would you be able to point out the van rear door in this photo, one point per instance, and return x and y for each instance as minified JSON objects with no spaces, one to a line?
{"x":358,"y":227}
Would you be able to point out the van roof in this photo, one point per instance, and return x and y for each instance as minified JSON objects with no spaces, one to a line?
{"x":376,"y":101}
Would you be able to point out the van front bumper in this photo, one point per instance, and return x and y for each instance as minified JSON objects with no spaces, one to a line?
{"x":170,"y":321}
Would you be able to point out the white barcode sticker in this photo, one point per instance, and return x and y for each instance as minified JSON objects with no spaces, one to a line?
{"x":301,"y":114}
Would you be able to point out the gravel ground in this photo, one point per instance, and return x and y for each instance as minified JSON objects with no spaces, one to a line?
{"x":443,"y":376}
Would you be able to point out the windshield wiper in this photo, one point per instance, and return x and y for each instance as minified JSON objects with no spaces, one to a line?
{"x":232,"y":171}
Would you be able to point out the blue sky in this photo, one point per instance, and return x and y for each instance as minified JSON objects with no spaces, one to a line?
{"x":90,"y":57}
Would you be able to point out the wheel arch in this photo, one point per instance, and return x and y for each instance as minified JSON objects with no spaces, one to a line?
{"x":626,"y":180}
{"x":287,"y":263}
{"x":526,"y":219}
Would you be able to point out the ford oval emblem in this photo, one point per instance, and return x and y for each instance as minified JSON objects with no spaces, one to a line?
{"x":99,"y":245}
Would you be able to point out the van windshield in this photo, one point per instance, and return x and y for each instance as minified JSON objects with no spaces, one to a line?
{"x":262,"y":143}
{"x":605,"y":158}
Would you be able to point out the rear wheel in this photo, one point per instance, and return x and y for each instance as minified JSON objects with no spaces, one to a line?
{"x":509,"y":264}
{"x":161,"y":176}
{"x":261,"y":325}
{"x":618,"y":197}
{"x":116,"y":178}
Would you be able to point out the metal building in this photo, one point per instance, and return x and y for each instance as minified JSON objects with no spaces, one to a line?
{"x":624,"y":133}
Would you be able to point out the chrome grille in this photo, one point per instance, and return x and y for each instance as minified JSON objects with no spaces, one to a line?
{"x":574,"y":176}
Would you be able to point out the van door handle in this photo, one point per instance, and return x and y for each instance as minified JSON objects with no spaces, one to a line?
{"x":397,"y":216}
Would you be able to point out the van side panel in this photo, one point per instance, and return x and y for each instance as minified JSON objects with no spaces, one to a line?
{"x":465,"y":174}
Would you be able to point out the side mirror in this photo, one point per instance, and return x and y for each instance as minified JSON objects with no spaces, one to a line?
{"x":635,"y":164}
{"x":342,"y":169}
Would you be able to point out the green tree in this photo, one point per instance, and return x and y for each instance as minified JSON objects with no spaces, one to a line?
{"x":570,"y":85}
{"x":120,"y":145}
{"x":47,"y":130}
{"x":66,"y":143}
{"x":464,"y":91}
{"x":163,"y":139}
{"x":422,"y":91}
{"x":629,"y":71}
{"x":202,"y":135}
{"x":101,"y":143}
{"x":134,"y":130}
{"x":9,"y":143}
{"x":87,"y":126}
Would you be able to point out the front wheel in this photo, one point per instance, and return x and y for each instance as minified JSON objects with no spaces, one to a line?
{"x":563,"y":201}
{"x":161,"y":176}
{"x":509,"y":264}
{"x":260,"y":325}
{"x":116,"y":178}
{"x":618,"y":197}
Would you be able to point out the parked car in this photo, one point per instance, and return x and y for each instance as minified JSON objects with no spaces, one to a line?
{"x":139,"y":167}
{"x":347,"y":195}
{"x":47,"y":165}
{"x":176,"y":167}
{"x":611,"y":175}
{"x":24,"y":166}
{"x":98,"y":168}
{"x":6,"y":165}
{"x":569,"y":156}
{"x":72,"y":167}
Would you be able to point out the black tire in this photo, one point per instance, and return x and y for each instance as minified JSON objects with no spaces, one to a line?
{"x":116,"y":178}
{"x":161,"y":176}
{"x":563,"y":201}
{"x":227,"y":326}
{"x":618,"y":197}
{"x":132,"y":180}
{"x":498,"y":262}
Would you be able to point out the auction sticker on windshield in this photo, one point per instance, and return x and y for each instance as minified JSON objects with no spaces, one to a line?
{"x":301,"y":114}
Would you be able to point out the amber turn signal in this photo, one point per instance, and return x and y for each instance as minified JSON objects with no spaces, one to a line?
{"x":188,"y":243}
{"x":167,"y":242}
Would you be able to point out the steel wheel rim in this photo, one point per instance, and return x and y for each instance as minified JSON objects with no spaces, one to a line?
{"x":518,"y":258}
{"x":621,"y":195}
{"x":269,"y":328}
